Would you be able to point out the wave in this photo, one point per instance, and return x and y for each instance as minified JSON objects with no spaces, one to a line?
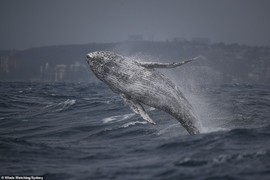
{"x":117,"y":118}
{"x":123,"y":117}
{"x":61,"y":106}
{"x":220,"y":159}
{"x":90,"y":130}
{"x":213,"y":129}
{"x":133,"y":123}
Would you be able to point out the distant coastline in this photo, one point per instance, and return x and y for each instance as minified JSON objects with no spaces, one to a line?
{"x":66,"y":63}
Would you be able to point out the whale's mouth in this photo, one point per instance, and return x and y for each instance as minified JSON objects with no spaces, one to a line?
{"x":90,"y":63}
{"x":89,"y":60}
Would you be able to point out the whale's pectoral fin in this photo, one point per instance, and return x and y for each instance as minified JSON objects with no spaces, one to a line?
{"x":165,"y":65}
{"x":138,"y":109}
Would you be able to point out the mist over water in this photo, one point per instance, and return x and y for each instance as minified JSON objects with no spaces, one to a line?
{"x":198,"y":84}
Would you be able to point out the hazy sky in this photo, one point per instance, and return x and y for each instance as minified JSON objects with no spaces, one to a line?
{"x":32,"y":23}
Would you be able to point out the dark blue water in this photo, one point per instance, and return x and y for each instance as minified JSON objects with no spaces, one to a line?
{"x":84,"y":131}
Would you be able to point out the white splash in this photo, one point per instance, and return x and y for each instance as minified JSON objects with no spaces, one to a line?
{"x":133,"y":123}
{"x":117,"y":118}
{"x":61,"y":106}
{"x":66,"y":104}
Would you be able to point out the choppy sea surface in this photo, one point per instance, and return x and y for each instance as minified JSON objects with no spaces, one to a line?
{"x":85,"y":131}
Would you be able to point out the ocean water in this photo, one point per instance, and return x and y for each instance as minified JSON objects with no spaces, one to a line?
{"x":85,"y":131}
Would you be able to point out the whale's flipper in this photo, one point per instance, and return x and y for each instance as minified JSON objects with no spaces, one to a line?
{"x":138,"y":109}
{"x":163,"y":65}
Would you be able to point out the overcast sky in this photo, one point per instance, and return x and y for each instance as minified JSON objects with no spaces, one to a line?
{"x":32,"y":23}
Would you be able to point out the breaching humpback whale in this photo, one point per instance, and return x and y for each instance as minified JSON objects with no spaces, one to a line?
{"x":139,"y":83}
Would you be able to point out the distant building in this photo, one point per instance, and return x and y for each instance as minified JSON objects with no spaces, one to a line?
{"x":77,"y":66}
{"x":46,"y":72}
{"x":137,"y":37}
{"x":4,"y":65}
{"x":60,"y":71}
{"x":201,"y":40}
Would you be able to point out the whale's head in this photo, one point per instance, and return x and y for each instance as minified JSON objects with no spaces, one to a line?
{"x":98,"y":58}
{"x":103,"y":62}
